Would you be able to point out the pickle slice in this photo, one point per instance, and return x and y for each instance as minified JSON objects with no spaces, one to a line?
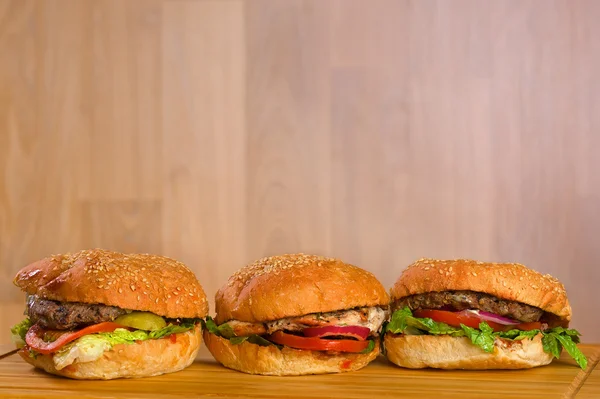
{"x":142,"y":321}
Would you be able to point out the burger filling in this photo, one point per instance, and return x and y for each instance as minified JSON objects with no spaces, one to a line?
{"x":352,"y":330}
{"x":462,"y":300}
{"x":79,"y":332}
{"x":486,"y":320}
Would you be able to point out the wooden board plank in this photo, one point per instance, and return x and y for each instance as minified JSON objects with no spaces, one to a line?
{"x":590,"y":386}
{"x":206,"y":378}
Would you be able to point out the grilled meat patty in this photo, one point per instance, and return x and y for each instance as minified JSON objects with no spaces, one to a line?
{"x":371,"y":317}
{"x":461,"y":300}
{"x":67,"y":315}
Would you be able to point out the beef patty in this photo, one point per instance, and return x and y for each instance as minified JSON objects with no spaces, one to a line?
{"x":461,"y":300}
{"x":66,"y":315}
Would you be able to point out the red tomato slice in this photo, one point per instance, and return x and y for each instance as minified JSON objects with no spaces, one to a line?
{"x":35,"y":334}
{"x":455,"y":319}
{"x":317,"y":344}
{"x":534,"y":325}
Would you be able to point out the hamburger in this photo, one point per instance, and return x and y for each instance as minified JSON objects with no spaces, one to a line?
{"x":297,"y":314}
{"x":97,"y":314}
{"x":463,"y":314}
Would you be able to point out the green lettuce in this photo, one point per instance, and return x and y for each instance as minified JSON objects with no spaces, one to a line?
{"x":369,"y":348}
{"x":253,"y":339}
{"x":18,"y":332}
{"x":482,"y":337}
{"x":224,"y":330}
{"x":553,"y":340}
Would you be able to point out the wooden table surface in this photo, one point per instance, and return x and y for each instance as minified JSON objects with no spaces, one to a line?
{"x":206,"y":378}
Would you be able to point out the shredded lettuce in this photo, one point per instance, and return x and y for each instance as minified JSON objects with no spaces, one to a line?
{"x":18,"y":332}
{"x":85,"y":349}
{"x":553,"y":340}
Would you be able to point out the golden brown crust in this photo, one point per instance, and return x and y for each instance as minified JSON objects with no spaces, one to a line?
{"x":269,"y":360}
{"x":509,"y":281}
{"x":445,"y":352}
{"x":130,"y":281}
{"x":293,"y":285}
{"x":149,"y":358}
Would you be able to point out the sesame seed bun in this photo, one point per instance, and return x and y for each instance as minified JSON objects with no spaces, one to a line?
{"x":269,"y":360}
{"x":142,"y":282}
{"x":293,"y":285}
{"x":508,"y":281}
{"x":445,"y":352}
{"x":148,"y":358}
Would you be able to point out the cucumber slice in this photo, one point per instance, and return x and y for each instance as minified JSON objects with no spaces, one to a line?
{"x":142,"y":321}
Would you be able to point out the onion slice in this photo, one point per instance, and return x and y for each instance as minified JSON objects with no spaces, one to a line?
{"x":491,"y":317}
{"x":358,"y":332}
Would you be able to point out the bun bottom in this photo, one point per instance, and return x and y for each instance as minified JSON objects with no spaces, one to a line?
{"x":445,"y":352}
{"x":149,"y":358}
{"x":269,"y":360}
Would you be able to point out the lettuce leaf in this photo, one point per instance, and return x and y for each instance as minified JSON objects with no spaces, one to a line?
{"x":18,"y":332}
{"x":369,"y":348}
{"x":225,"y":331}
{"x":253,"y":339}
{"x":553,"y":340}
{"x":566,"y":341}
{"x":482,"y":337}
{"x":403,"y":320}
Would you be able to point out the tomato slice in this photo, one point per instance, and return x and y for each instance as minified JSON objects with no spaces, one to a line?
{"x":534,"y":325}
{"x":455,"y":319}
{"x":35,"y":334}
{"x":358,"y":332}
{"x":318,"y":344}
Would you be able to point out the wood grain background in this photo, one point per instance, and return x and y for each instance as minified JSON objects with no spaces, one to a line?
{"x":378,"y":131}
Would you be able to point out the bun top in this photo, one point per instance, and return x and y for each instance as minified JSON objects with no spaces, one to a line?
{"x":142,"y":282}
{"x":294,"y":285}
{"x":508,"y":281}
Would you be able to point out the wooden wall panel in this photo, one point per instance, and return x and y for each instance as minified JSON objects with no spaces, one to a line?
{"x":219,"y":131}
{"x":203,"y":136}
{"x":287,"y":170}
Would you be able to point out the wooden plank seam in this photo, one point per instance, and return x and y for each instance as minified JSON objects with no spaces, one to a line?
{"x":582,"y":376}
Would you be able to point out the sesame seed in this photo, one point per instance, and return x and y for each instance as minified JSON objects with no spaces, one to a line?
{"x":132,"y":287}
